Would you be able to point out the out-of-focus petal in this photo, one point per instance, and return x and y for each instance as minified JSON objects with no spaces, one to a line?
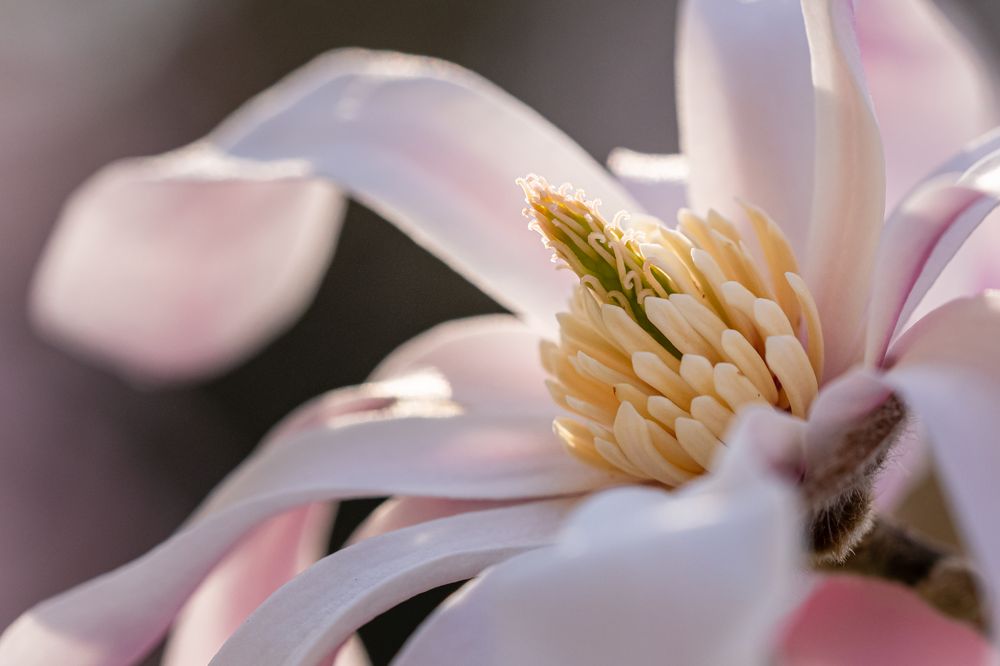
{"x":489,"y":361}
{"x":639,"y":575}
{"x":658,"y":182}
{"x":317,"y":611}
{"x":973,"y":268}
{"x":745,"y":108}
{"x":919,"y":240}
{"x":947,"y":370}
{"x":181,"y":265}
{"x":849,"y":198}
{"x":394,"y":131}
{"x":116,"y":618}
{"x":849,"y":621}
{"x":909,"y":48}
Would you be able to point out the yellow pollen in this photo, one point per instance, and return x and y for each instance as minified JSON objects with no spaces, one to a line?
{"x":671,"y":332}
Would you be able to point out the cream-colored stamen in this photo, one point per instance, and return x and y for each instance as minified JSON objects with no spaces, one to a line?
{"x":671,"y":333}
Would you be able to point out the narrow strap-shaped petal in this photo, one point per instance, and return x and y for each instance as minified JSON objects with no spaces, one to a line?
{"x":488,"y":361}
{"x":849,"y":198}
{"x":318,"y":610}
{"x":909,"y":48}
{"x":947,"y":370}
{"x":116,"y":618}
{"x":919,"y":240}
{"x":638,"y":575}
{"x":745,"y":108}
{"x":180,"y":265}
{"x":483,"y":362}
{"x":284,"y":545}
{"x":658,"y":182}
{"x":433,"y":148}
{"x":851,"y":621}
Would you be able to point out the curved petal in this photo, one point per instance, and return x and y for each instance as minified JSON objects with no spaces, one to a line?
{"x":658,"y":182}
{"x":181,"y":265}
{"x":849,"y":198}
{"x":745,"y":108}
{"x":947,"y":369}
{"x":264,"y":561}
{"x":489,"y":361}
{"x":909,"y":48}
{"x":116,"y":618}
{"x":177,"y":266}
{"x":317,"y":611}
{"x":636,"y":572}
{"x":849,"y":621}
{"x":919,"y":240}
{"x":284,"y":545}
{"x":393,"y":131}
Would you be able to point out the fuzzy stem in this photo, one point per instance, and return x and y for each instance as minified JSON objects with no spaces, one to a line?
{"x":837,"y":490}
{"x":944,"y":580}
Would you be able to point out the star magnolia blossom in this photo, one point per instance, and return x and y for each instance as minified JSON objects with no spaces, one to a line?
{"x":177,"y":265}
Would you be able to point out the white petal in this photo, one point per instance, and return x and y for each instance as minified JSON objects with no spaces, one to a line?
{"x":920,"y":239}
{"x":284,"y":545}
{"x":181,"y":265}
{"x":745,"y":108}
{"x":638,"y":576}
{"x":433,"y":148}
{"x":316,"y":612}
{"x":658,"y":182}
{"x":116,"y":618}
{"x":492,"y":360}
{"x":849,"y":199}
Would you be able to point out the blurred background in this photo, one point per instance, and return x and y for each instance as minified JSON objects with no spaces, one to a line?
{"x":93,"y":471}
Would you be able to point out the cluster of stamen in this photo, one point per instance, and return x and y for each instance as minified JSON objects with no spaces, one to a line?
{"x":671,"y":332}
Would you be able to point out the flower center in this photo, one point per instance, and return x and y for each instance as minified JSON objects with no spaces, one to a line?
{"x":671,"y":332}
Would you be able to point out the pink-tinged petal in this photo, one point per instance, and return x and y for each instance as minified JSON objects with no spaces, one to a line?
{"x":116,"y":618}
{"x":745,"y":108}
{"x":961,"y":333}
{"x":490,"y":361}
{"x":909,"y":48}
{"x":395,"y":514}
{"x":181,"y":265}
{"x":284,"y":545}
{"x":317,"y":611}
{"x":658,"y":182}
{"x":919,"y":240}
{"x":849,"y":621}
{"x":849,"y":198}
{"x":973,"y":268}
{"x":393,"y":131}
{"x":399,"y":512}
{"x":173,"y":268}
{"x":264,"y":561}
{"x":947,"y":370}
{"x":703,"y":576}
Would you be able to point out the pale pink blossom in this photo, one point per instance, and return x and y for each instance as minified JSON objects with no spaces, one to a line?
{"x":179,"y":265}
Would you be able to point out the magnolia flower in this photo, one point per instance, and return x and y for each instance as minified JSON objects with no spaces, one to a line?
{"x":775,"y":112}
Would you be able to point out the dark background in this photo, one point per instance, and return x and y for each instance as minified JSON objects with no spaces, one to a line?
{"x":93,"y":471}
